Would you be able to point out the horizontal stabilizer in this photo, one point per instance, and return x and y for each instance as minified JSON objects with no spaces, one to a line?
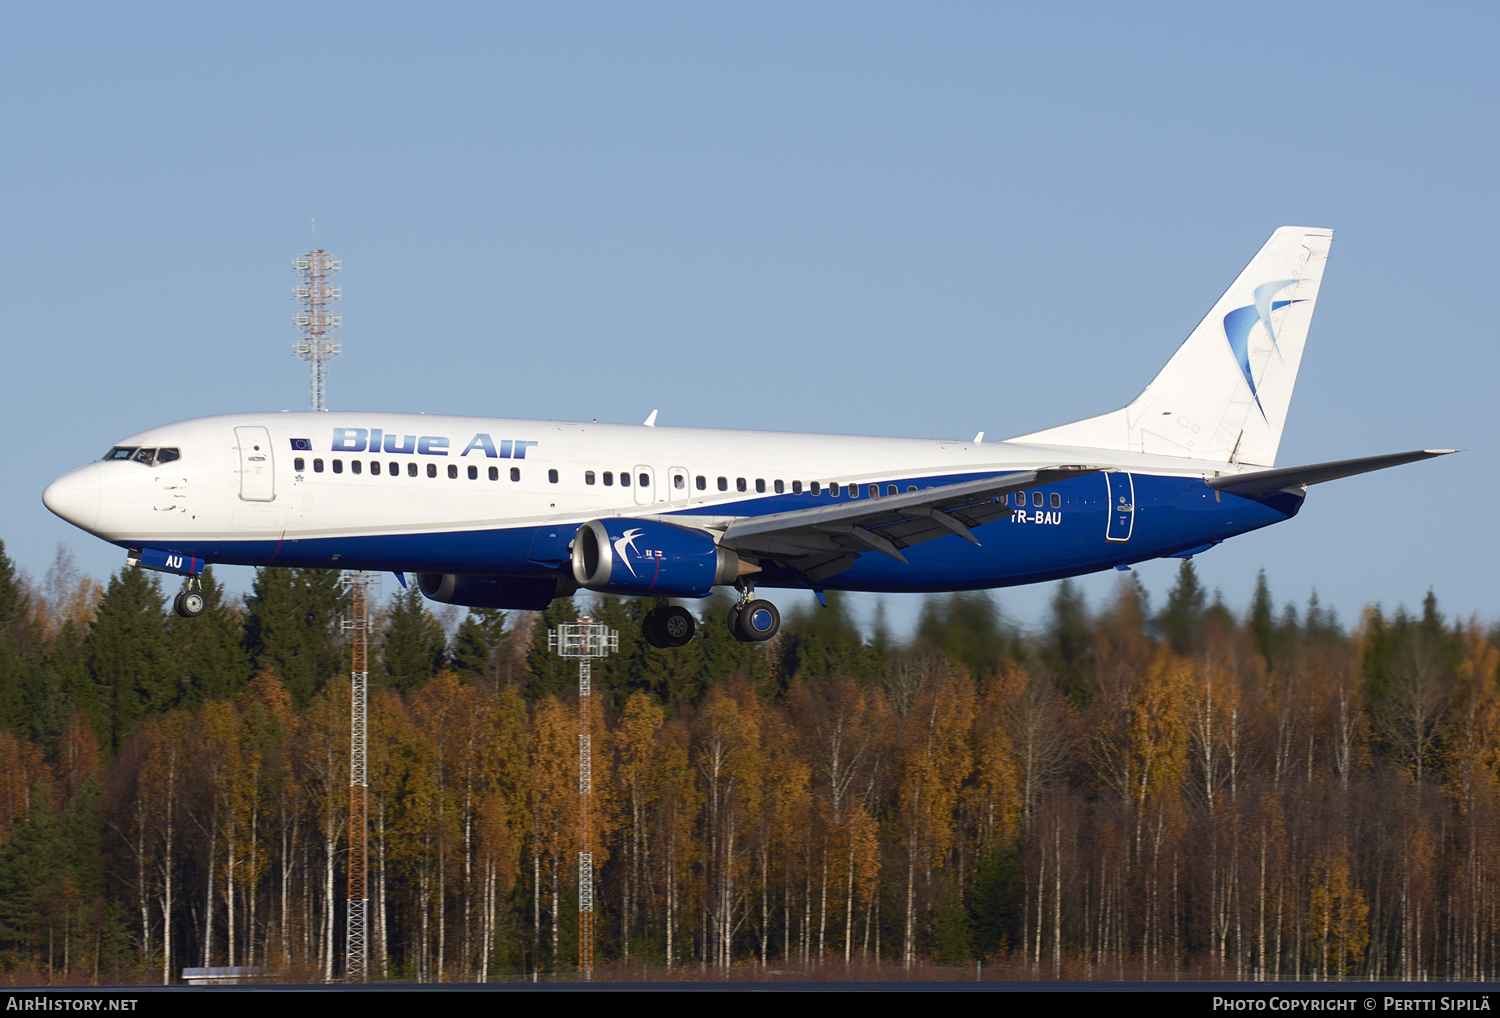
{"x":1262,"y":482}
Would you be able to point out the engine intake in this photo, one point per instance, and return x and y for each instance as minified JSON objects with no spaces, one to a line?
{"x":628,"y":556}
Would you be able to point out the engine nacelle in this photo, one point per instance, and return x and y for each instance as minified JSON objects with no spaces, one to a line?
{"x":478,"y":591}
{"x":626,"y":556}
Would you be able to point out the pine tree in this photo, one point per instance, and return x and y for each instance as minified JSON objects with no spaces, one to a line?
{"x":15,"y":603}
{"x":127,"y":652}
{"x":209,"y":653}
{"x":548,"y":674}
{"x":966,"y":626}
{"x":481,"y":647}
{"x":1186,"y":602}
{"x":291,"y":628}
{"x":415,"y":648}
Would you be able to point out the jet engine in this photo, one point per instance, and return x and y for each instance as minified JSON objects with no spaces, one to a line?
{"x":479,"y":591}
{"x":639,"y":557}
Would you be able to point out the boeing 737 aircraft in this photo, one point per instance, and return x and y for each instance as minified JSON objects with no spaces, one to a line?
{"x":512,"y":513}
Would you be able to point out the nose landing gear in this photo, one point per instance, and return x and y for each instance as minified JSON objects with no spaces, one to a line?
{"x":190,"y":603}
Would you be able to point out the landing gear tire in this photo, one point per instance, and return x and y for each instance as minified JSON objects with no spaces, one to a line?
{"x":189,"y":604}
{"x":672,"y":626}
{"x":755,"y":621}
{"x":676,"y":625}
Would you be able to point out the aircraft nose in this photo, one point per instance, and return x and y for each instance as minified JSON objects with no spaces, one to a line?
{"x":75,"y":497}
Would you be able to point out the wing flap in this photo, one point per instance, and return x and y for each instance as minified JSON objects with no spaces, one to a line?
{"x":825,"y":540}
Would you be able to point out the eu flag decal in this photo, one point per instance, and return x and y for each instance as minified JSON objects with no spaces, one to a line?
{"x":302,"y":445}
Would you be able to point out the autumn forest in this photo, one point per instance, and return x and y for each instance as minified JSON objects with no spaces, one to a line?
{"x":1143,"y":788}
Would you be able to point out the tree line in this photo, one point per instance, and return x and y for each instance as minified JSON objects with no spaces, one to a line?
{"x":1125,"y":793}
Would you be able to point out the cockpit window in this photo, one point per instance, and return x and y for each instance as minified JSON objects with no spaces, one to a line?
{"x":147,"y":456}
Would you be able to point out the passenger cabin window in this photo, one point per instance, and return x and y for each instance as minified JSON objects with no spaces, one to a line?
{"x":494,"y":473}
{"x":317,"y":466}
{"x":588,"y":477}
{"x":1056,"y":500}
{"x":679,"y":481}
{"x":833,"y":490}
{"x":1036,"y":499}
{"x":299,"y":464}
{"x":515,"y":473}
{"x":890,"y":489}
{"x":911,"y":487}
{"x":780,"y":487}
{"x":702,"y":483}
{"x":473,"y":473}
{"x":411,"y":469}
{"x":624,"y":478}
{"x":874,"y":491}
{"x":739,"y":484}
{"x":723,"y":484}
{"x":760,"y":484}
{"x":375,"y":466}
{"x":432,"y":470}
{"x":644,"y":480}
{"x":338,"y":466}
{"x":395,"y":469}
{"x":816,"y":487}
{"x":552,"y":476}
{"x":854,"y":491}
{"x":452,"y":470}
{"x":356,"y":466}
{"x":796,"y":487}
{"x":609,"y":478}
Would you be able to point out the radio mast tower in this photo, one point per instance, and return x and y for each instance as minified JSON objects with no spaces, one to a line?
{"x":315,"y":321}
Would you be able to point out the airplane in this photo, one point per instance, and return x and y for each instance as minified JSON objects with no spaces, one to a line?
{"x":513,"y":513}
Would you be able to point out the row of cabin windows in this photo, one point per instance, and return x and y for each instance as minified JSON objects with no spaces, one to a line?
{"x":679,"y":482}
{"x":835,"y":489}
{"x":357,"y":466}
{"x":609,"y":478}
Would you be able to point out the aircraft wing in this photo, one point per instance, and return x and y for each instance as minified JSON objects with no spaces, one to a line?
{"x":824,"y":541}
{"x":1263,"y":482}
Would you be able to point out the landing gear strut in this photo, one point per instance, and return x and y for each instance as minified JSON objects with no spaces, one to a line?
{"x":752,"y":620}
{"x":190,"y":603}
{"x":668,"y":626}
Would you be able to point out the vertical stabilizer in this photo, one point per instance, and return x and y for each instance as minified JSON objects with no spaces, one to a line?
{"x":1224,"y":395}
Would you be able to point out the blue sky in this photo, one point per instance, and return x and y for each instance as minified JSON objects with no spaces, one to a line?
{"x":923,"y":220}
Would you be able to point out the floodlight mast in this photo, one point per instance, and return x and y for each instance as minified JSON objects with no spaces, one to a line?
{"x":583,"y":642}
{"x":316,"y":321}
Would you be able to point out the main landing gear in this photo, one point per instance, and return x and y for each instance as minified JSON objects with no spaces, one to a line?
{"x":751,"y":620}
{"x":668,"y":625}
{"x":190,"y":603}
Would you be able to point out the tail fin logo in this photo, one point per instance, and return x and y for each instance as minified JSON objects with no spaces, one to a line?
{"x":1239,"y":322}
